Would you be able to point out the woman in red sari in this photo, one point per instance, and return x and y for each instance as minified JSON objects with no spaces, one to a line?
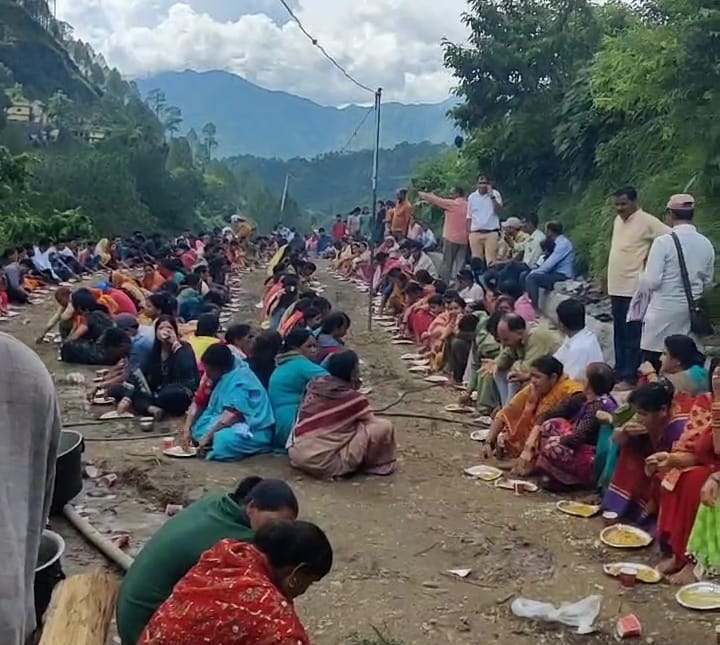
{"x":682,"y":472}
{"x":241,"y":594}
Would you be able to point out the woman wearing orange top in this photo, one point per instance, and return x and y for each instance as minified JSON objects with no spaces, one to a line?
{"x":396,"y":299}
{"x":152,"y":279}
{"x":124,"y":282}
{"x":242,"y":594}
{"x":683,"y":471}
{"x":441,"y":329}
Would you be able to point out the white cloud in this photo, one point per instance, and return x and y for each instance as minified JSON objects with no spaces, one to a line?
{"x":393,"y":44}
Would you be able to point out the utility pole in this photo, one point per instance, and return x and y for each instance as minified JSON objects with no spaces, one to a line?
{"x":376,"y":155}
{"x":284,"y":195}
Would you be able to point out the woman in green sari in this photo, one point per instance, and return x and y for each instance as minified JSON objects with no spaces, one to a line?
{"x":704,"y":543}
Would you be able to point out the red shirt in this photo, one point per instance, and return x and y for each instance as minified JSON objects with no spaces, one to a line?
{"x":337,"y":232}
{"x":123,"y":301}
{"x":188,"y":259}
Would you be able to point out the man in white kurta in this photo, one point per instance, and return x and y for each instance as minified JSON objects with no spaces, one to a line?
{"x":30,"y":433}
{"x":668,"y":312}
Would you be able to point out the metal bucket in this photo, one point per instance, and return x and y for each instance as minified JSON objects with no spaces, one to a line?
{"x":48,"y":572}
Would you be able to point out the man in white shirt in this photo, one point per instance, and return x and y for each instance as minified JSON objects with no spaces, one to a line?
{"x":470,"y":291}
{"x":581,"y":346}
{"x":669,"y":311}
{"x":419,"y":260}
{"x":484,"y":209}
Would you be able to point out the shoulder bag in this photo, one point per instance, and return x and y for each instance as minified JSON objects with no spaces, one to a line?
{"x":700,"y":324}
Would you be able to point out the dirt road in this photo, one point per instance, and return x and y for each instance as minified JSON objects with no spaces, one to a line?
{"x":394,"y":538}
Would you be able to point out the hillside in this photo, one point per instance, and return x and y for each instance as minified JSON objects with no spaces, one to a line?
{"x":37,"y":60}
{"x":254,"y":121}
{"x":335,"y":183}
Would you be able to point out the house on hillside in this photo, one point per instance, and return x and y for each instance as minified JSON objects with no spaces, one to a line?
{"x":22,"y":111}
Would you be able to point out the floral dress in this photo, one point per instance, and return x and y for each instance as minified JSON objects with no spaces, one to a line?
{"x":227,"y":598}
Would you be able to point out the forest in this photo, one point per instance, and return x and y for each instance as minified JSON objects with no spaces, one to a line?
{"x":101,"y":159}
{"x":339,"y":181}
{"x":566,"y":100}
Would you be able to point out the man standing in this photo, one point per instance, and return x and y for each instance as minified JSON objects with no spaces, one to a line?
{"x":669,"y":310}
{"x":558,"y":267}
{"x":634,"y":231}
{"x":401,"y":217}
{"x":30,"y":430}
{"x":353,"y":222}
{"x":455,"y":230}
{"x":337,"y":232}
{"x":484,"y":209}
{"x":378,"y":226}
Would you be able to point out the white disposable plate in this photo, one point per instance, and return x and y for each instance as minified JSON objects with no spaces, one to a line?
{"x":422,"y":362}
{"x":483,"y":421}
{"x":387,"y":324}
{"x":180,"y":453}
{"x":510,"y":484}
{"x":484,"y":472}
{"x":109,"y":416}
{"x":11,"y":314}
{"x":365,"y":390}
{"x":462,"y":409}
{"x":701,"y":596}
{"x":418,"y":369}
{"x":436,"y":378}
{"x":644,"y":538}
{"x":652,"y":576}
{"x":411,"y":357}
{"x":480,"y":435}
{"x":401,"y":341}
{"x":103,"y":400}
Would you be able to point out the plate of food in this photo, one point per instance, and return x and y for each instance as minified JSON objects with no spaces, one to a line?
{"x":437,"y":379}
{"x":484,"y":472}
{"x":480,"y":435}
{"x":518,"y":485}
{"x":701,"y":596}
{"x":388,"y":324}
{"x":461,"y":409}
{"x":411,"y":357}
{"x":418,"y":369}
{"x":421,"y":362}
{"x":103,"y":400}
{"x":624,"y":536}
{"x":401,"y":341}
{"x":643,"y":572}
{"x":577,"y":509}
{"x":180,"y":453}
{"x":483,"y":421}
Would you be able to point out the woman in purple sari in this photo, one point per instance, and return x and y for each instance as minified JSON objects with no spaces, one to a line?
{"x":659,"y":420}
{"x":562,"y":448}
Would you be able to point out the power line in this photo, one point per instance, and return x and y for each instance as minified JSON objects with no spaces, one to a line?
{"x":357,"y":129}
{"x":315,"y":42}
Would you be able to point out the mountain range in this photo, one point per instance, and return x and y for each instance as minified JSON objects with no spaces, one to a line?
{"x":252,"y":120}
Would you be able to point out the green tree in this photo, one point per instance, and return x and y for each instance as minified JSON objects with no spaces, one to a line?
{"x":157,"y":101}
{"x":210,"y":141}
{"x":172,"y":119}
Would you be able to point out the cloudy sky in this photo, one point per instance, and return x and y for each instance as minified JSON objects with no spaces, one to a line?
{"x":394,"y":44}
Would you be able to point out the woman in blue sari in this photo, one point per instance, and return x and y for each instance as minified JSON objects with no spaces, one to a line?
{"x":295,"y":369}
{"x":237,"y":421}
